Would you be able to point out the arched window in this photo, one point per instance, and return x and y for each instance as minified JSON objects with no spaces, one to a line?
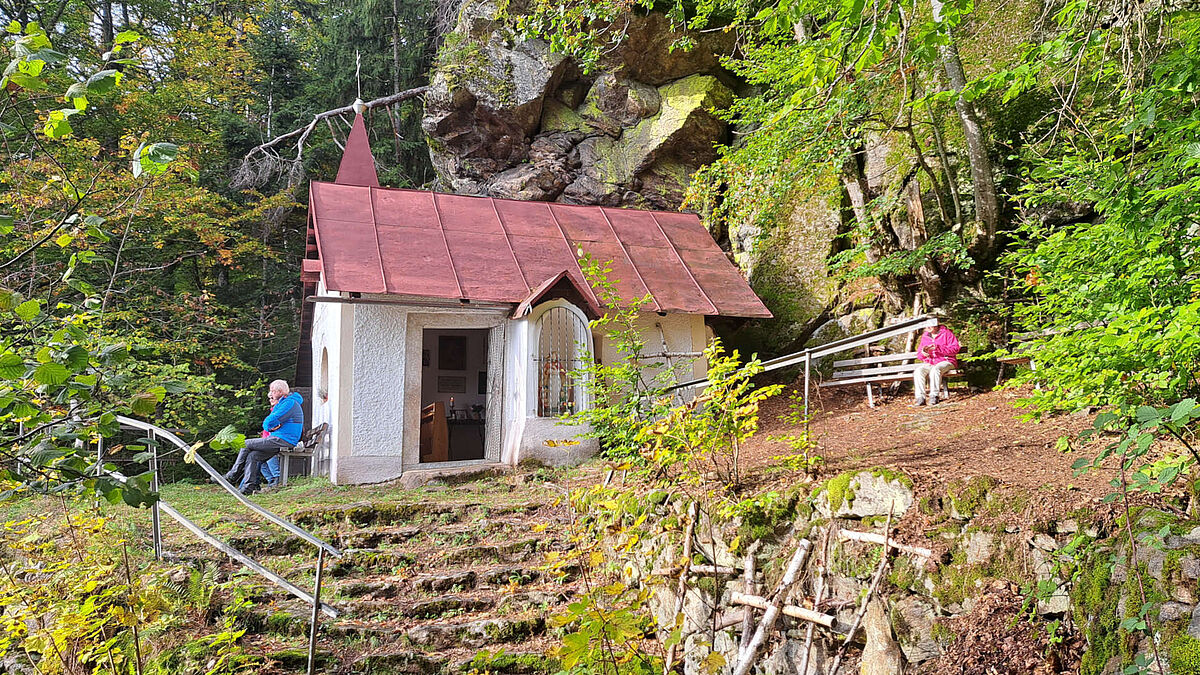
{"x":562,"y":345}
{"x":323,"y":377}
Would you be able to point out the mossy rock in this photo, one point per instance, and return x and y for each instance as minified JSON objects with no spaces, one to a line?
{"x":503,"y":663}
{"x":399,"y":662}
{"x":297,"y":658}
{"x":1185,"y":655}
{"x":967,"y":496}
{"x":866,"y":494}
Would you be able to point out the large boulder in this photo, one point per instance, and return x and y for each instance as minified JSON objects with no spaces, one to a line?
{"x":506,"y":117}
{"x":866,"y":494}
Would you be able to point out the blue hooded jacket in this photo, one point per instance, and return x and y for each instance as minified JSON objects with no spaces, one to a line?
{"x":286,"y":421}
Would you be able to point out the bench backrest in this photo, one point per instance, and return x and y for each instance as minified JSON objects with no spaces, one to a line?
{"x":312,"y":437}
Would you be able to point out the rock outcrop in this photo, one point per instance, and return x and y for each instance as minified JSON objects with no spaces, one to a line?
{"x":506,"y":117}
{"x":988,"y":595}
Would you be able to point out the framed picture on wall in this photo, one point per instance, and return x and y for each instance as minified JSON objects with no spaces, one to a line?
{"x":452,"y":352}
{"x":452,"y":384}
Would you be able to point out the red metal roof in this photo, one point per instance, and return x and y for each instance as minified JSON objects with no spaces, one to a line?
{"x":410,"y":242}
{"x":358,"y":164}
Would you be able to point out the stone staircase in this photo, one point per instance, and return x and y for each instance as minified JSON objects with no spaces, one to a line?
{"x":451,"y":582}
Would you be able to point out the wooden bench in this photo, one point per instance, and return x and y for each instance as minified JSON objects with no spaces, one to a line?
{"x":872,"y":370}
{"x":435,"y":433}
{"x":309,"y":441}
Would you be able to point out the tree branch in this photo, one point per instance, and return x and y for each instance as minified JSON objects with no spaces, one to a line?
{"x":246,"y":175}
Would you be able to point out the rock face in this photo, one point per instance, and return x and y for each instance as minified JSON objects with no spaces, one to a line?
{"x":505,"y":117}
{"x":881,"y":655}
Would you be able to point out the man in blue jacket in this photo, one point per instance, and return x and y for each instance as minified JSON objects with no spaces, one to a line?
{"x":282,"y":428}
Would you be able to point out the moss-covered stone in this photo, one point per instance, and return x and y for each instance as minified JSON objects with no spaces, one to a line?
{"x":514,"y":664}
{"x":1185,"y":655}
{"x":866,"y":494}
{"x":967,"y":496}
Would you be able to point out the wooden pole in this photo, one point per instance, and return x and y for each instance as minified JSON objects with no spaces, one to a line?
{"x":749,"y":587}
{"x":772,"y":611}
{"x":693,"y":511}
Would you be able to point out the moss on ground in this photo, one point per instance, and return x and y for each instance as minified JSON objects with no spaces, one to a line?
{"x":967,"y":496}
{"x":1184,"y":655}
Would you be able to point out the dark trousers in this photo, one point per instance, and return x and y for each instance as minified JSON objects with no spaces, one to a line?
{"x":250,"y":458}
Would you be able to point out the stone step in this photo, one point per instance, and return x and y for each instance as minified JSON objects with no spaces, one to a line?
{"x":399,"y":663}
{"x":504,"y":662}
{"x":445,"y":582}
{"x":512,"y":576}
{"x":378,"y":561}
{"x":374,"y":537}
{"x":514,"y":551}
{"x":376,"y":589}
{"x":433,"y":608}
{"x":361,"y":514}
{"x":269,"y":544}
{"x":295,"y":659}
{"x":476,"y":633}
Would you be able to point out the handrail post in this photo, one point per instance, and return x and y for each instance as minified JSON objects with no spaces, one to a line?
{"x":807,"y":370}
{"x":312,"y":629}
{"x":156,"y":524}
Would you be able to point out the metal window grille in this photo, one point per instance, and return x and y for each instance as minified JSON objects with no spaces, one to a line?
{"x":561,"y":350}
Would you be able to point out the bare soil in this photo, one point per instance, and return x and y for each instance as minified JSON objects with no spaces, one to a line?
{"x":971,"y":434}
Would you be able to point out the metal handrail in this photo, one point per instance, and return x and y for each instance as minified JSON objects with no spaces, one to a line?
{"x":806,"y":356}
{"x":323,"y":547}
{"x":220,"y":479}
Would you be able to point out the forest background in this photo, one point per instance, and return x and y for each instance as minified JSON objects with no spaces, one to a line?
{"x":1057,"y":174}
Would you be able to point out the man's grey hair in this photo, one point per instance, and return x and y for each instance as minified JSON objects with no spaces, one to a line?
{"x":280,"y":387}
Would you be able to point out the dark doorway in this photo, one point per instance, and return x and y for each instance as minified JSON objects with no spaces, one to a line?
{"x":453,"y":399}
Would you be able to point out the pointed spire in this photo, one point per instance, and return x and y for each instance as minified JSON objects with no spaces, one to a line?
{"x":358,"y":165}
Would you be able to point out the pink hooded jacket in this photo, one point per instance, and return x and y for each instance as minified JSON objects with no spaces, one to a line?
{"x":945,"y":347}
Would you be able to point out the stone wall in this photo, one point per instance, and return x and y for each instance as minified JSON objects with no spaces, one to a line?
{"x":990,"y":595}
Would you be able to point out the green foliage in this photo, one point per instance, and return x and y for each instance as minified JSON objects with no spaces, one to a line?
{"x":707,"y":433}
{"x":608,"y":633}
{"x":626,"y":393}
{"x":803,"y":457}
{"x":76,"y":603}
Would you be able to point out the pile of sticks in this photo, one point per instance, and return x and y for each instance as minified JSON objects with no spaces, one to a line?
{"x":751,"y":600}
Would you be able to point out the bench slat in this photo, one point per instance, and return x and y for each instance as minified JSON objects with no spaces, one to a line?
{"x":901,"y":377}
{"x":875,"y":359}
{"x":880,"y":370}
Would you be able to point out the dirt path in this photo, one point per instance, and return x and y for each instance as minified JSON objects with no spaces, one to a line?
{"x":969,"y":435}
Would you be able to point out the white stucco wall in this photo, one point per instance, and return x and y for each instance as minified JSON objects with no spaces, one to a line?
{"x":375,"y":380}
{"x":332,"y":333}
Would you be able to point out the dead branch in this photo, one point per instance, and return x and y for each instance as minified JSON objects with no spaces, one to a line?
{"x":263,"y":161}
{"x":693,"y":513}
{"x":721,"y":570}
{"x":872,"y":538}
{"x":858,"y":617}
{"x":749,"y":587}
{"x":794,"y":611}
{"x":818,"y":595}
{"x":772,"y":610}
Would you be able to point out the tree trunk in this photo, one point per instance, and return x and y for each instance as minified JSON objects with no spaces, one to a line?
{"x":983,"y":183}
{"x":106,"y":24}
{"x":858,"y":190}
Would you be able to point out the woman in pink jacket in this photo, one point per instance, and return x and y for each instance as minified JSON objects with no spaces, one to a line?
{"x":936,"y":352}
